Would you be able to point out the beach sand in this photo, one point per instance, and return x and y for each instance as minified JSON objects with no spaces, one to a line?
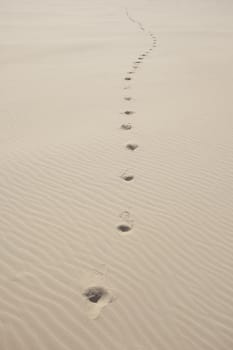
{"x":116,"y":175}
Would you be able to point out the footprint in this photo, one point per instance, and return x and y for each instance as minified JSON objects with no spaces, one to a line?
{"x":127,"y":98}
{"x":132,"y":146}
{"x":94,"y":294}
{"x":124,"y":228}
{"x":131,"y":72}
{"x":128,"y":78}
{"x":98,"y":297}
{"x":127,"y":223}
{"x":126,"y":126}
{"x":129,"y":112}
{"x":127,"y":177}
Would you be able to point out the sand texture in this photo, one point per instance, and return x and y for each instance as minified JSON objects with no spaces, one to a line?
{"x":116,"y":175}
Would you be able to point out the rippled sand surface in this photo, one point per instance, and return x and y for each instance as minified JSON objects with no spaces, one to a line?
{"x":116,"y":175}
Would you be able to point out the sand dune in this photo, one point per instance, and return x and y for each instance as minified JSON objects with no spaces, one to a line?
{"x":116,"y":184}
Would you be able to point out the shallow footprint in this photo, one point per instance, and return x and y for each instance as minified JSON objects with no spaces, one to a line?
{"x":127,"y":98}
{"x":132,"y":146}
{"x":126,"y":126}
{"x":128,"y":78}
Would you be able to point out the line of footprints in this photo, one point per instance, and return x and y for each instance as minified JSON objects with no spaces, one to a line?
{"x":126,"y":222}
{"x":99,"y":295}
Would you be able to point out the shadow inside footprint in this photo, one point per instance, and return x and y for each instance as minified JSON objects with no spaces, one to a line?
{"x":127,"y":98}
{"x":128,"y":177}
{"x":124,"y":228}
{"x":94,"y":294}
{"x":132,"y":146}
{"x":128,"y":78}
{"x":126,"y":126}
{"x":129,"y":112}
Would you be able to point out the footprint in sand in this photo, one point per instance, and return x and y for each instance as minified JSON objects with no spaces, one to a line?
{"x":124,"y":228}
{"x":126,"y":126}
{"x":94,"y":294}
{"x":128,"y":78}
{"x":98,"y":297}
{"x":127,"y":177}
{"x":127,"y":223}
{"x":127,"y":98}
{"x":131,"y":146}
{"x":129,"y":112}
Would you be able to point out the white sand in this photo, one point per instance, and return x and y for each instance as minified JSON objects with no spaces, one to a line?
{"x":167,"y":283}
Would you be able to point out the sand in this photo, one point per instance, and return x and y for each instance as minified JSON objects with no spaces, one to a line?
{"x":116,"y":175}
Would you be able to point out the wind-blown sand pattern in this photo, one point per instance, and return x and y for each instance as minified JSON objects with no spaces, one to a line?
{"x":116,"y":194}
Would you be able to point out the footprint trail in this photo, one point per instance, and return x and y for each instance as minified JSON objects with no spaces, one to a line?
{"x":125,"y":227}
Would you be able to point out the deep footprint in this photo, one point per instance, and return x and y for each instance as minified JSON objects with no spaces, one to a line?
{"x":94,"y":294}
{"x":128,"y":177}
{"x":124,"y":228}
{"x":128,"y":78}
{"x":132,"y":146}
